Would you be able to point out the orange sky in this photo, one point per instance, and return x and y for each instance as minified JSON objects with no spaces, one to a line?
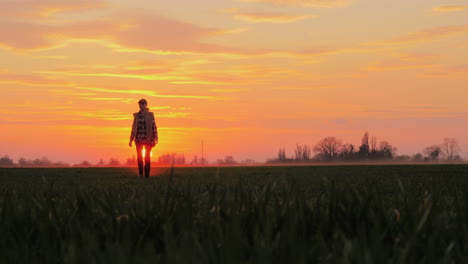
{"x":246,"y":76}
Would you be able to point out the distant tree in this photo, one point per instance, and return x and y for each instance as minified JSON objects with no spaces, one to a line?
{"x":6,"y":162}
{"x":84,"y":163}
{"x":282,"y":154}
{"x":364,"y":148}
{"x":373,"y":144}
{"x":173,"y":158}
{"x":328,"y":148}
{"x":203,"y":161}
{"x":386,"y":150}
{"x":228,"y":160}
{"x":102,"y":163}
{"x":181,"y":160}
{"x":432,"y":152}
{"x":60,"y":164}
{"x":130,"y":161}
{"x":114,"y":162}
{"x":248,"y":162}
{"x":36,"y":163}
{"x":194,"y":160}
{"x":306,"y":153}
{"x":417,"y":157}
{"x":449,"y":149}
{"x":403,"y":158}
{"x":298,"y":152}
{"x":42,"y":162}
{"x":22,"y":162}
{"x":347,"y":152}
{"x":302,"y":153}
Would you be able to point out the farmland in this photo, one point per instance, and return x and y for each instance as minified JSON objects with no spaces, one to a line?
{"x":295,"y":214}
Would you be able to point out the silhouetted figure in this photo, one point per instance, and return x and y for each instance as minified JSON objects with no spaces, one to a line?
{"x":145,"y":134}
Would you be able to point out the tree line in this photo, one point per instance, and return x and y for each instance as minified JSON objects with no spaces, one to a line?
{"x":333,"y":149}
{"x":166,"y":159}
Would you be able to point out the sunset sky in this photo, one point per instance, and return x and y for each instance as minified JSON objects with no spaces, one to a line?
{"x":246,"y":76}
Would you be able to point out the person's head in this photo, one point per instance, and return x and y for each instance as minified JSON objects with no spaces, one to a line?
{"x":143,"y":104}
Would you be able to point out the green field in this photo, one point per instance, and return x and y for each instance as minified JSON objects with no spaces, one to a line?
{"x":314,"y":214}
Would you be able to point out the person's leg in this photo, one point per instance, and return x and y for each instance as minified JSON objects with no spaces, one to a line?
{"x":139,"y":148}
{"x":147,"y":160}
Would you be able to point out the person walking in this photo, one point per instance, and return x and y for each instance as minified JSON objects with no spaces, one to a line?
{"x":145,"y":134}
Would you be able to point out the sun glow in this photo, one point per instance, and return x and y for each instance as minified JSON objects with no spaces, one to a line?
{"x":143,"y":152}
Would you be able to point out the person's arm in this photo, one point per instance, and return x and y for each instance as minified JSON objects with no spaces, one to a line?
{"x":132,"y":134}
{"x":155,"y":131}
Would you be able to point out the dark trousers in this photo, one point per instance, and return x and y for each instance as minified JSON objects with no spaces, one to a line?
{"x":148,"y":147}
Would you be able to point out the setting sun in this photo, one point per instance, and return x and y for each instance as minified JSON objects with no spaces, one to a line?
{"x":143,"y":152}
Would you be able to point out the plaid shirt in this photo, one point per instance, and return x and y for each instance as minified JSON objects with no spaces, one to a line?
{"x":140,"y":136}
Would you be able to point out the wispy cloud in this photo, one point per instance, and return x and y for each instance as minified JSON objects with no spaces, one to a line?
{"x":289,"y":88}
{"x":304,"y":3}
{"x":405,"y":62}
{"x":126,"y":31}
{"x":30,"y":80}
{"x":271,"y":17}
{"x":450,"y":72}
{"x":229,"y":90}
{"x":394,"y":65}
{"x":427,"y":35}
{"x":27,"y":9}
{"x":145,"y":92}
{"x":229,"y":10}
{"x":450,"y":8}
{"x":179,"y":72}
{"x":148,"y":77}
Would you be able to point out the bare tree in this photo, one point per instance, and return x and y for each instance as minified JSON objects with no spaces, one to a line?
{"x":228,"y":160}
{"x":364,"y":148}
{"x":22,"y":162}
{"x":432,"y":152}
{"x":450,"y":149}
{"x":305,"y":153}
{"x":417,"y":157}
{"x":387,"y":151}
{"x":298,"y":152}
{"x":328,"y":147}
{"x":373,"y":144}
{"x":302,"y":153}
{"x":282,"y":154}
{"x":347,"y":152}
{"x":194,"y":160}
{"x":172,"y":158}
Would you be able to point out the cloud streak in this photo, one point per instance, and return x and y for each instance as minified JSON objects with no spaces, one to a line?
{"x":271,"y":17}
{"x":405,"y":62}
{"x":127,"y":31}
{"x":29,"y":80}
{"x":450,"y":8}
{"x":304,"y":3}
{"x":44,"y":9}
{"x":427,"y":35}
{"x":146,"y":92}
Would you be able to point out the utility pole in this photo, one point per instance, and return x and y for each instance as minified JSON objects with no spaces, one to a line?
{"x":202,"y":150}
